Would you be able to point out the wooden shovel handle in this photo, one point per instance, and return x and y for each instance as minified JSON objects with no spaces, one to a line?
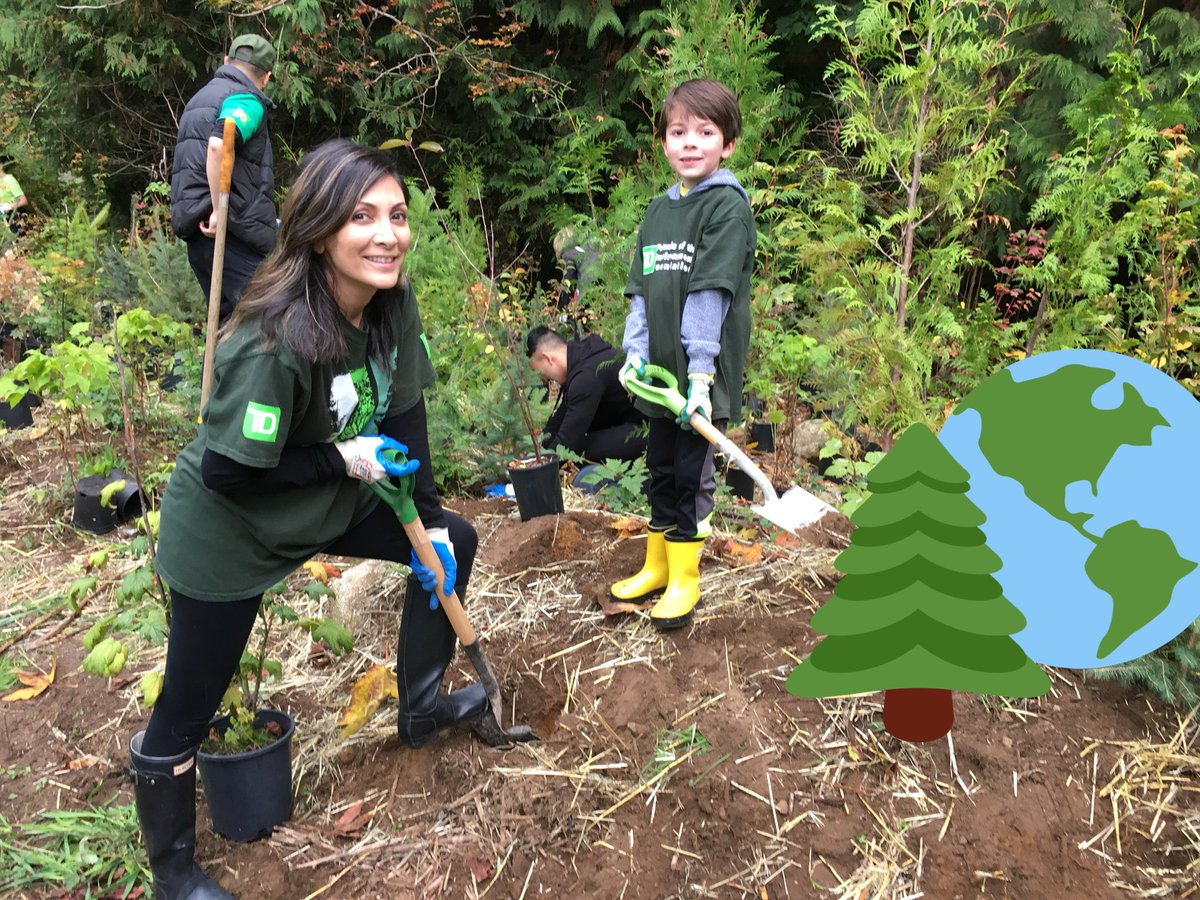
{"x":218,"y":265}
{"x":450,"y":602}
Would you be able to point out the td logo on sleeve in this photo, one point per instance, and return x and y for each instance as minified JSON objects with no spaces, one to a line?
{"x":261,"y":422}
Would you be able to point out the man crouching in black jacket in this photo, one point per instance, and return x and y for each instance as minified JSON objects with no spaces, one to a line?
{"x":594,"y":416}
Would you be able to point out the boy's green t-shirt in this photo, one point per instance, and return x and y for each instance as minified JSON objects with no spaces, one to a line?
{"x":702,"y":241}
{"x":213,"y":546}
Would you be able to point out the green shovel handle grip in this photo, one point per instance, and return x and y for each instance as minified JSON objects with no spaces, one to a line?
{"x":665,"y":395}
{"x":397,"y":491}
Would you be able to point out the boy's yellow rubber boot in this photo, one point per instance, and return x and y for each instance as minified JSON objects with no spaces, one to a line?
{"x":654,"y":574}
{"x":674,"y":609}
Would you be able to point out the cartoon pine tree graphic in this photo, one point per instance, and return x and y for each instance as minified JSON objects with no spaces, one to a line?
{"x":918,"y":614}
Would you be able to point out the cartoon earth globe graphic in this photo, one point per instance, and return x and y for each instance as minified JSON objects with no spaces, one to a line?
{"x":1082,"y":461}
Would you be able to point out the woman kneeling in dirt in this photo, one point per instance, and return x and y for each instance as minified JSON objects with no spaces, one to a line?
{"x":323,"y":354}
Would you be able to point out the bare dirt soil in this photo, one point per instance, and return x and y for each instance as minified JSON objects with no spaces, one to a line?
{"x":667,"y":766}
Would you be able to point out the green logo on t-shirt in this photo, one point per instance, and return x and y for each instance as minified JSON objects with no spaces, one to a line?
{"x":261,"y":422}
{"x":649,"y":255}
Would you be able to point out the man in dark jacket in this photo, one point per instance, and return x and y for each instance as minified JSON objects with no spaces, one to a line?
{"x":594,"y":416}
{"x":235,"y":91}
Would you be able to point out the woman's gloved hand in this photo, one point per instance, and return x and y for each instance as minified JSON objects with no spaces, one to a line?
{"x":359,"y":455}
{"x":440,"y":538}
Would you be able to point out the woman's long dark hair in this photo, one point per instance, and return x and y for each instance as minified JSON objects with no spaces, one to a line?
{"x":291,"y":293}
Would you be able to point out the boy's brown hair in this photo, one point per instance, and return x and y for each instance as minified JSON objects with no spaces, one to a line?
{"x":706,"y":99}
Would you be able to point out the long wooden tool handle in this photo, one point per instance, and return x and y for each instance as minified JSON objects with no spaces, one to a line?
{"x":713,"y":435}
{"x":218,"y":265}
{"x":450,"y":602}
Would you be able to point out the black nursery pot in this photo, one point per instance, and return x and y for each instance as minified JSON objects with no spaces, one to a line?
{"x":762,"y":434}
{"x":740,"y":483}
{"x":89,"y":514}
{"x":249,"y":792}
{"x":537,"y":487}
{"x":130,"y":500}
{"x":19,"y":416}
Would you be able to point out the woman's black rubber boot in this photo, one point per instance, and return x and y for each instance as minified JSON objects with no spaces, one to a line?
{"x":164,"y":789}
{"x":423,"y":653}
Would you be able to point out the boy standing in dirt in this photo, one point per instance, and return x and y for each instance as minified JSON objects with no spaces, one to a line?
{"x":689,"y":312}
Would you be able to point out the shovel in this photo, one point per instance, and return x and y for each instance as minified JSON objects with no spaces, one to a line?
{"x":218,"y":267}
{"x":397,"y":493}
{"x":796,"y":509}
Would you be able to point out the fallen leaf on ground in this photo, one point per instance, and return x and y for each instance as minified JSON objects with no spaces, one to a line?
{"x":787,"y":539}
{"x":627,"y":526}
{"x":319,"y":655}
{"x":83,"y":762}
{"x":322,"y":571}
{"x":611,"y":607}
{"x":352,"y":821}
{"x":375,"y":686}
{"x":743,"y":554}
{"x":35,"y":683}
{"x":481,"y":869}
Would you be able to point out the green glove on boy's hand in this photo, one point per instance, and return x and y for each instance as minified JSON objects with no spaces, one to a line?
{"x":634,"y":364}
{"x":698,"y":398}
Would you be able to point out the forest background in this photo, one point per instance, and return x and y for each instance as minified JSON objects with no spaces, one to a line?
{"x":941,"y":187}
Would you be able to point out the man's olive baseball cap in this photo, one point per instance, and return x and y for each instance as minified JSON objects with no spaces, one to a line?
{"x":254,"y":49}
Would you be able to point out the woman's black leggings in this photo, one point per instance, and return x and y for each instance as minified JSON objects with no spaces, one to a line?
{"x":207,"y":637}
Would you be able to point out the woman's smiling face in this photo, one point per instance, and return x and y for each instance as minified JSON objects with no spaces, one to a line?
{"x":366,"y":254}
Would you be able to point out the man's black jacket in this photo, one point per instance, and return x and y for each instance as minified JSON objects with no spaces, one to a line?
{"x":592,"y":398}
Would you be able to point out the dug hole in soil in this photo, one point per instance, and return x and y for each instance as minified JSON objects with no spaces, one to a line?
{"x":668,"y":765}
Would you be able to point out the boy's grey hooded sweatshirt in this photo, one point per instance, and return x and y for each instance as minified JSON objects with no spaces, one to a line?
{"x":703,"y":311}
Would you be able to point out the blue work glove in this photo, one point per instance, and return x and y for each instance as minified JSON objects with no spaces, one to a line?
{"x":440,"y":538}
{"x":698,"y":398}
{"x":634,"y":364}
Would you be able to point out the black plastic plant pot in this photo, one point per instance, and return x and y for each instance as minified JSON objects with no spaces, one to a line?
{"x":130,"y":500}
{"x":18,"y":416}
{"x":89,"y":514}
{"x":762,"y":435}
{"x":740,"y":483}
{"x":536,"y":486}
{"x":249,"y":792}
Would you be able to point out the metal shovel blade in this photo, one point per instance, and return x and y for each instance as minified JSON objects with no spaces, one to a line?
{"x":489,"y":727}
{"x":796,"y":509}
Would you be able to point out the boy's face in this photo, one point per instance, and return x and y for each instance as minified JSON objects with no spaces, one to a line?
{"x":694,"y":147}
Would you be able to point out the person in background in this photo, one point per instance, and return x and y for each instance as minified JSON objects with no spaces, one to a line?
{"x":593,"y":415}
{"x":578,"y":263}
{"x":689,"y":312}
{"x":12,"y":197}
{"x":322,"y":358}
{"x":235,"y":91}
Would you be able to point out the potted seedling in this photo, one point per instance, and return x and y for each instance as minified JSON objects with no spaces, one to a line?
{"x":245,"y":762}
{"x":535,"y":481}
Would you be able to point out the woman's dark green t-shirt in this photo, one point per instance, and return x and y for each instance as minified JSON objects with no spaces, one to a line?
{"x":215,"y":546}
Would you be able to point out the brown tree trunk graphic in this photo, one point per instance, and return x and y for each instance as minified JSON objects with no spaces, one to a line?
{"x":918,"y":714}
